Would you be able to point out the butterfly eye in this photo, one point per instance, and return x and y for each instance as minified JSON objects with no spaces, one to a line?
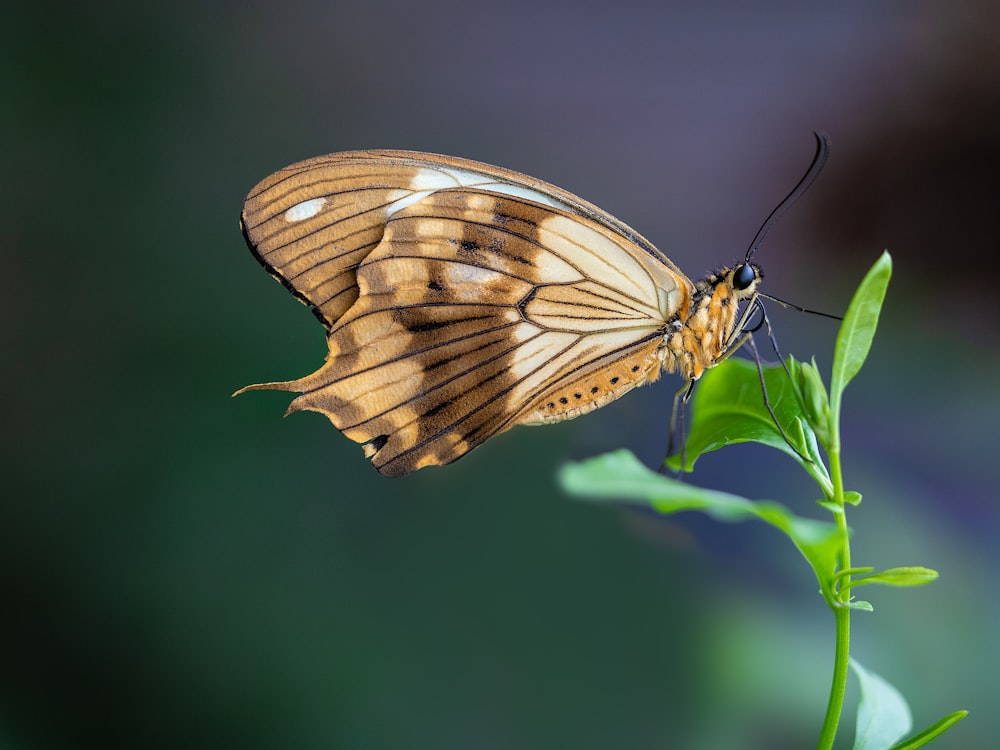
{"x":743,"y":277}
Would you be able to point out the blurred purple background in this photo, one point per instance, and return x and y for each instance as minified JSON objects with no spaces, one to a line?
{"x":179,"y":569}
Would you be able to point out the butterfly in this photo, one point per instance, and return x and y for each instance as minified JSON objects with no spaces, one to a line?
{"x":462,"y":299}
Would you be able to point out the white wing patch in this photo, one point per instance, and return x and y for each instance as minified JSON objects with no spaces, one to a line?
{"x":464,"y":275}
{"x":406,"y":201}
{"x":304,"y":210}
{"x":427,"y":181}
{"x":519,"y":191}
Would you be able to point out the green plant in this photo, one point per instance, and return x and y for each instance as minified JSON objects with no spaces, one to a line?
{"x":728,"y":408}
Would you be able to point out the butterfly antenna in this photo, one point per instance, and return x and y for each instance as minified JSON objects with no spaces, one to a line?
{"x":819,"y":160}
{"x":792,"y":306}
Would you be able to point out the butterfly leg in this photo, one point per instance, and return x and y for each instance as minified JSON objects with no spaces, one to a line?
{"x":774,"y":342}
{"x":746,"y":337}
{"x":767,"y":402}
{"x":677,"y":413}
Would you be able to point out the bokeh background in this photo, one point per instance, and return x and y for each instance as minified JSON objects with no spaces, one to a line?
{"x":182,"y":569}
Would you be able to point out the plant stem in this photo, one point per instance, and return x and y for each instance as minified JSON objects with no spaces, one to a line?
{"x":841,"y":613}
{"x":839,"y":686}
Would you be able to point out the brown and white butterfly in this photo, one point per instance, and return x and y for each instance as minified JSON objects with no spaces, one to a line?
{"x":462,"y":299}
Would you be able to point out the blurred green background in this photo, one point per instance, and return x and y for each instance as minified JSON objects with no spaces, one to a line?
{"x":182,"y":569}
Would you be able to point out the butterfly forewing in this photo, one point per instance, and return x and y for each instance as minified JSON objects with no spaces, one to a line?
{"x":311,"y":223}
{"x":477,"y":307}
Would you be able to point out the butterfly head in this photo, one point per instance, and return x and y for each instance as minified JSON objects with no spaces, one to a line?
{"x":744,"y":279}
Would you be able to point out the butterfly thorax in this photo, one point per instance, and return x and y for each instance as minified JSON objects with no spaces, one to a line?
{"x":703,"y":339}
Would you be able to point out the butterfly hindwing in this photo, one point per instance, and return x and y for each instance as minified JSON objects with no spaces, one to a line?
{"x":475,"y":310}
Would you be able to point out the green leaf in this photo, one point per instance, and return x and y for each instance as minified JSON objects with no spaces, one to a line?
{"x":728,"y":408}
{"x":934,"y":730}
{"x":854,"y":498}
{"x":883,"y":715}
{"x":620,"y":476}
{"x":858,"y":329}
{"x":812,"y":397}
{"x":831,"y":506}
{"x":904,"y":576}
{"x":847,"y":572}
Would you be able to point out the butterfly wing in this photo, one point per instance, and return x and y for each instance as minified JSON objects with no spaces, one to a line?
{"x":312,"y":223}
{"x":478,"y":311}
